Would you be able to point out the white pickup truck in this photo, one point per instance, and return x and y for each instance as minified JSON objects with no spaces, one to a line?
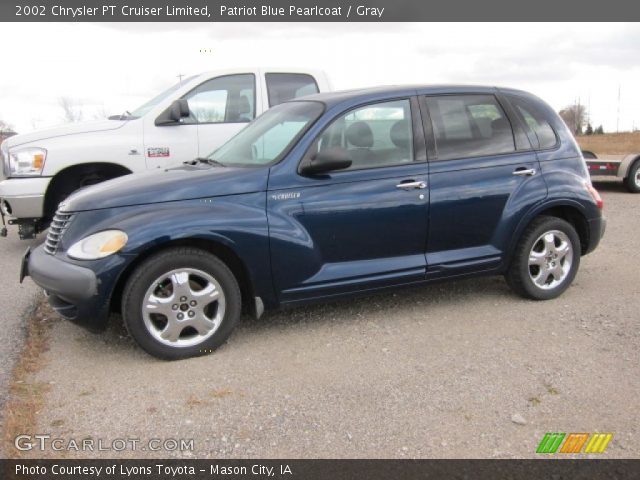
{"x":189,"y":120}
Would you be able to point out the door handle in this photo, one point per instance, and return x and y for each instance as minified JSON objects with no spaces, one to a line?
{"x":525,"y":172}
{"x":412,"y":185}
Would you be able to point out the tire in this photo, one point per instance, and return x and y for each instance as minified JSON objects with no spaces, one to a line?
{"x":632,"y":182}
{"x":63,"y":190}
{"x":173,"y":327}
{"x":534,"y":271}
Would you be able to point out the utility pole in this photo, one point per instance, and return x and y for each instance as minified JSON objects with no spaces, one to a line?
{"x":180,"y":75}
{"x":618,"y":114}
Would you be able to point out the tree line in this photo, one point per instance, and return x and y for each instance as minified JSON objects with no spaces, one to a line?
{"x":576,"y":118}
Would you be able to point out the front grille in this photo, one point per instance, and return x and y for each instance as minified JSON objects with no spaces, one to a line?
{"x":58,"y":225}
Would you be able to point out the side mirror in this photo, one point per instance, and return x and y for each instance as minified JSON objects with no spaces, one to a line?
{"x":178,"y":110}
{"x":327,"y":161}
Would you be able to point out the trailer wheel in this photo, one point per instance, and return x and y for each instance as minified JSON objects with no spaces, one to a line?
{"x":632,"y":181}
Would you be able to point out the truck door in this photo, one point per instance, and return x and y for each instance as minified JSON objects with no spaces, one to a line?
{"x":169,"y":145}
{"x":220,"y":108}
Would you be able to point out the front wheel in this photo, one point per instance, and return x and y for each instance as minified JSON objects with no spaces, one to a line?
{"x":181,"y":303}
{"x":546,"y":259}
{"x":632,"y":181}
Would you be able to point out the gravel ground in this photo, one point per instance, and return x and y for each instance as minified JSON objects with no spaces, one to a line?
{"x":463,"y":369}
{"x":16,"y":301}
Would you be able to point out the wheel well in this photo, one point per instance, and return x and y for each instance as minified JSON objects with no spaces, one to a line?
{"x":631,"y":164}
{"x":224,"y":253}
{"x":575,"y":218}
{"x":70,"y":179}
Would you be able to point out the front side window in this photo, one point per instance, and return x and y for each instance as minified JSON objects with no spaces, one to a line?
{"x":536,"y":122}
{"x":228,"y":99}
{"x":469,"y":126}
{"x":376,"y":135}
{"x":270,"y":136}
{"x":282,"y":87}
{"x":144,"y":108}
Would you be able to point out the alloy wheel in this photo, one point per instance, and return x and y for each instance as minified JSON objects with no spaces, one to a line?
{"x":550,"y":259}
{"x":183,"y":307}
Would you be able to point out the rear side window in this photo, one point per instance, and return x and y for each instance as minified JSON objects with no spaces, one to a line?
{"x":469,"y":126}
{"x":282,"y":87}
{"x":537,"y":123}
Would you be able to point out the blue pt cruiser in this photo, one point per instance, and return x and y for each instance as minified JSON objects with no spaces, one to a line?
{"x":326,"y":196}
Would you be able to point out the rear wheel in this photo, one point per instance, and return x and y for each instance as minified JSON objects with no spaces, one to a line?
{"x":632,"y":182}
{"x":181,"y":303}
{"x":546,"y":259}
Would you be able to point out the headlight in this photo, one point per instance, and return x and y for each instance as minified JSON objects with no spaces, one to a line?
{"x":98,"y":245}
{"x":26,"y":162}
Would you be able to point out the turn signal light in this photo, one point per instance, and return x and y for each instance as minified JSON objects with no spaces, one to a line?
{"x":38,"y":161}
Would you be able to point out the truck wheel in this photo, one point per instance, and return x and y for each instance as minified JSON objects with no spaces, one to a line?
{"x":181,"y":303}
{"x":546,"y":259}
{"x":632,"y":181}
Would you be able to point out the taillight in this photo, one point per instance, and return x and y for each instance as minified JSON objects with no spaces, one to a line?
{"x":594,"y":194}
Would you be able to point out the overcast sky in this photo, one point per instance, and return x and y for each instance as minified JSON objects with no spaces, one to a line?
{"x":110,"y":68}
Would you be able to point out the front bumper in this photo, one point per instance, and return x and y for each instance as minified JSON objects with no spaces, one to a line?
{"x":23,"y":197}
{"x":77,"y":293}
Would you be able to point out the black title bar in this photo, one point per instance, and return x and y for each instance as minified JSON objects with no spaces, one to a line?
{"x":316,"y":11}
{"x":575,"y":469}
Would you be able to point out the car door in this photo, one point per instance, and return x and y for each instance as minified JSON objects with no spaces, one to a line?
{"x":361,"y":227}
{"x":483,"y":176}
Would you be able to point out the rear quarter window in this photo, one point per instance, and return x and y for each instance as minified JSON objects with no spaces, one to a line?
{"x":535,"y":120}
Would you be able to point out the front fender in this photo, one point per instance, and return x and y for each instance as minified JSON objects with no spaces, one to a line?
{"x":237,"y":222}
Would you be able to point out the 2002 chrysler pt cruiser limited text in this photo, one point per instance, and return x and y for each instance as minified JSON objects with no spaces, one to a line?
{"x":329,"y":195}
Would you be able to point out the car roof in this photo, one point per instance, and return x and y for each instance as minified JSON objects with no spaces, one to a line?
{"x":380,"y":93}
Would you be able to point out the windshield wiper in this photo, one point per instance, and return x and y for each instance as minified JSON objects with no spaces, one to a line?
{"x":210,"y":161}
{"x":123,"y":116}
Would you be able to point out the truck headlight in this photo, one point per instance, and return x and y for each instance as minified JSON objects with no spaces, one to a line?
{"x":98,"y":245}
{"x":26,"y":162}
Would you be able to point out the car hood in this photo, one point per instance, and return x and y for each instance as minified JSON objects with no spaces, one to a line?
{"x":63,"y":130}
{"x":184,"y":183}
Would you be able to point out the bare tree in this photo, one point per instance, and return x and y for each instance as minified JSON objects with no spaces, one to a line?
{"x":72,"y":109}
{"x":575,"y":116}
{"x":100,"y":113}
{"x":6,"y":130}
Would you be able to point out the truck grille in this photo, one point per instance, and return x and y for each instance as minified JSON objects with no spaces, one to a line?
{"x":58,"y":225}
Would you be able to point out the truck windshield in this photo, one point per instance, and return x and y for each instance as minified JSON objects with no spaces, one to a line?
{"x":144,"y":108}
{"x":269,"y":137}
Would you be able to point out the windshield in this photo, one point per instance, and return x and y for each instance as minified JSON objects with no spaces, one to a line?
{"x":268,"y":138}
{"x":144,"y":108}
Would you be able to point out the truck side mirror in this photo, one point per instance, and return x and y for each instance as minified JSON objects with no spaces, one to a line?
{"x":327,"y":161}
{"x":178,"y":110}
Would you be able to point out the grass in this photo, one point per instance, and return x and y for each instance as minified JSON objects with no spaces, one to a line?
{"x":611,"y":143}
{"x":26,"y":396}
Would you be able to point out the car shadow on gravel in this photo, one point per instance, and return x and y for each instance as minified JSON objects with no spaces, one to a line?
{"x":613,"y":186}
{"x":394,"y":302}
